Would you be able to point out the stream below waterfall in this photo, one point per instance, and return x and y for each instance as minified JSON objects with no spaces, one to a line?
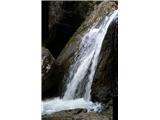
{"x":81,"y":72}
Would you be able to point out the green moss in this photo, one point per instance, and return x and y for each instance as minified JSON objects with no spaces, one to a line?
{"x":108,"y":111}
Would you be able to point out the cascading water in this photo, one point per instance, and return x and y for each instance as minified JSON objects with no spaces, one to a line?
{"x":77,"y":94}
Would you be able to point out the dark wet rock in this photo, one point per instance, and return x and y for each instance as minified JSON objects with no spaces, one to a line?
{"x":50,"y":69}
{"x":55,"y":12}
{"x":48,"y":62}
{"x":107,"y":108}
{"x":77,"y":114}
{"x":105,"y":84}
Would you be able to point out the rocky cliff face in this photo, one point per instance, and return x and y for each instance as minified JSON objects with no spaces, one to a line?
{"x":63,"y":19}
{"x":106,"y":78}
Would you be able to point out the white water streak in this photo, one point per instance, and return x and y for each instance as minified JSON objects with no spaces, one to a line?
{"x":99,"y":40}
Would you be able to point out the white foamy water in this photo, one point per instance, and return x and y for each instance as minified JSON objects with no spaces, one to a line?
{"x":57,"y":104}
{"x":77,"y":94}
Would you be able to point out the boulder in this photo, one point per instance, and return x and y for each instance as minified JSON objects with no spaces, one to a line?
{"x":50,"y":69}
{"x":77,"y":114}
{"x":48,"y":61}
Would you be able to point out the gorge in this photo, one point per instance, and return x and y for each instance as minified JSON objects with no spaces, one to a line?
{"x":80,"y":65}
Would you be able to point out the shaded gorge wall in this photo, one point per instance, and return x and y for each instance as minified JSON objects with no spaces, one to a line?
{"x":62,"y":19}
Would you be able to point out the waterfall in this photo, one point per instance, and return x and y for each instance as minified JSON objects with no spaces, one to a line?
{"x":81,"y":73}
{"x":88,"y":59}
